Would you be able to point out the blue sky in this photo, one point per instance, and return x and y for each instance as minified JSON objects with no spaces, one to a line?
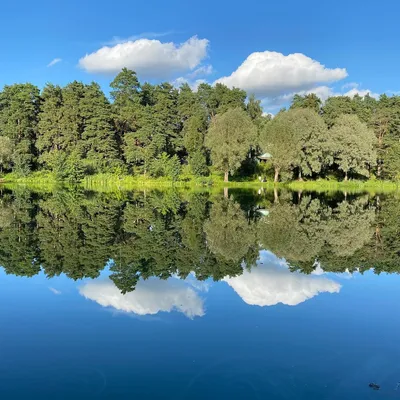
{"x":341,"y":46}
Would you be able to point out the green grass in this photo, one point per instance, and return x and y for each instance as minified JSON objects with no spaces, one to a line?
{"x":110,"y":182}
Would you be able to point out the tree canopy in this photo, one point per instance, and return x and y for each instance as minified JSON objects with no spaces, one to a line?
{"x":148,"y":129}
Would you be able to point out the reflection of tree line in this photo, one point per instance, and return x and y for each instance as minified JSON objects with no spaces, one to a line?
{"x":166,"y":233}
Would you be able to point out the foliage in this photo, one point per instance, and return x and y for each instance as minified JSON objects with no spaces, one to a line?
{"x":74,"y":131}
{"x":281,"y":140}
{"x":353,"y":145}
{"x":229,"y":139}
{"x":308,"y":101}
{"x":6,"y":152}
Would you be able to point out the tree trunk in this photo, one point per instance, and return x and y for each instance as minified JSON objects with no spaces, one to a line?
{"x":276,"y":178}
{"x":226,"y":192}
{"x":226,"y":176}
{"x":299,"y":193}
{"x":346,"y":178}
{"x":379,"y":171}
{"x":276,"y":197}
{"x":300,"y":178}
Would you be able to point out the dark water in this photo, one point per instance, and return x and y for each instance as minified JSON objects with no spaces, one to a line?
{"x":190,"y":295}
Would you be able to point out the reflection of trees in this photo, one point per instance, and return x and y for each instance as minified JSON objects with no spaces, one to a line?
{"x":228,"y":233}
{"x":75,"y":233}
{"x":314,"y":231}
{"x":381,"y":250}
{"x":18,"y":238}
{"x":161,"y":234}
{"x":173,"y":241}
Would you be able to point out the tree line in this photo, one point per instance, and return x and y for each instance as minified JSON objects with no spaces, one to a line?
{"x":160,"y":130}
{"x":163,"y":234}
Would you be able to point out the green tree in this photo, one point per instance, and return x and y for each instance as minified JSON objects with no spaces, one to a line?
{"x":353,"y":146}
{"x":99,"y":141}
{"x":6,"y":153}
{"x":72,"y":126}
{"x":19,"y":109}
{"x":127,"y":103}
{"x":334,"y":107}
{"x":229,"y":139}
{"x":50,"y":141}
{"x":280,"y":138}
{"x":194,"y":131}
{"x":311,"y":101}
{"x":312,"y":134}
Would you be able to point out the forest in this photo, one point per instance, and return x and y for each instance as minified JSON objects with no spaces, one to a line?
{"x":160,"y":131}
{"x":170,"y":233}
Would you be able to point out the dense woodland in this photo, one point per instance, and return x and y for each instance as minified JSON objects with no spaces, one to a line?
{"x":164,"y":131}
{"x":162,"y":234}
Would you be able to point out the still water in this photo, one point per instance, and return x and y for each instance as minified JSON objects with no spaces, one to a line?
{"x":197,"y":295}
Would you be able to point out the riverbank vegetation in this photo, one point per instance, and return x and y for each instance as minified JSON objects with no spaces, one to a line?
{"x":167,"y":134}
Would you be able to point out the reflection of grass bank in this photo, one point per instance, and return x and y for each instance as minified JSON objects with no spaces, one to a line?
{"x":134,"y":182}
{"x":350,"y":186}
{"x":109,"y":182}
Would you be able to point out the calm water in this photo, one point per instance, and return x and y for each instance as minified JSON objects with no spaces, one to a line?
{"x":178,"y":295}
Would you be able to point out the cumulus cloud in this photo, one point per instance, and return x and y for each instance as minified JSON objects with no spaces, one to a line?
{"x":273,"y":283}
{"x":150,"y":297}
{"x":201,"y":71}
{"x":54,"y":62}
{"x":323,"y":92}
{"x":193,"y":84}
{"x":145,"y":35}
{"x":361,"y":92}
{"x":149,"y":58}
{"x":272,"y":74}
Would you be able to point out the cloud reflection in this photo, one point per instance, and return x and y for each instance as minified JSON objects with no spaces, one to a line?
{"x":272,"y":283}
{"x":150,"y":297}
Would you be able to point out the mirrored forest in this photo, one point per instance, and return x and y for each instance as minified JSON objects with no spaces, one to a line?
{"x":138,"y":235}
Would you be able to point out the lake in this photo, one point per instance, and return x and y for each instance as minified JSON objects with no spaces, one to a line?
{"x":241,"y":294}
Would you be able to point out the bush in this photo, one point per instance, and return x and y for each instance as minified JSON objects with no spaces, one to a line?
{"x":166,"y":166}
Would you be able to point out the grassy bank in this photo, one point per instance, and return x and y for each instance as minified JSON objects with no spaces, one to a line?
{"x":108,"y":182}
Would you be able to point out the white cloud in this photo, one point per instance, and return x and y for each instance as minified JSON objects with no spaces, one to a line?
{"x":272,"y":74}
{"x":273,"y":283}
{"x":149,"y":297}
{"x":323,"y":92}
{"x":145,"y":35}
{"x":195,"y":78}
{"x":54,"y":62}
{"x":193,"y":84}
{"x":149,"y":58}
{"x":350,"y":85}
{"x":361,"y":92}
{"x":55,"y":291}
{"x":201,"y":71}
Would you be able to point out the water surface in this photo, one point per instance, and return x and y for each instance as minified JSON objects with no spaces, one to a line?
{"x":182,"y":295}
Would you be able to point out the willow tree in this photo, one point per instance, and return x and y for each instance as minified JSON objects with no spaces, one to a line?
{"x":313,"y":141}
{"x":279,"y":137}
{"x":228,"y":233}
{"x":353,"y":146}
{"x":229,"y":139}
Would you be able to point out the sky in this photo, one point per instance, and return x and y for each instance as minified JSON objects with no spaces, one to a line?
{"x":271,"y":49}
